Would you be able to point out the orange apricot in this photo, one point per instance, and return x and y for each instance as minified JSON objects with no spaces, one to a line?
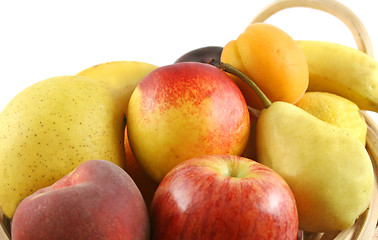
{"x":272,"y":59}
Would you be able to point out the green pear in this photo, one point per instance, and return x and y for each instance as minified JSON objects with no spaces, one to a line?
{"x":328,"y":169}
{"x":51,"y":127}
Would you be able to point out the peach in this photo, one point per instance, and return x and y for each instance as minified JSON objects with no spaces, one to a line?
{"x":97,"y":200}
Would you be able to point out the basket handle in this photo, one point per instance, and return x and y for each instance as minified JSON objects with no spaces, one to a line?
{"x":332,"y":7}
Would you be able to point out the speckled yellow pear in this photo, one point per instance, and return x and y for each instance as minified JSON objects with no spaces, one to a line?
{"x":51,"y":127}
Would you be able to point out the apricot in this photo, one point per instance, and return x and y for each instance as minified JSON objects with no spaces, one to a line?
{"x":272,"y":59}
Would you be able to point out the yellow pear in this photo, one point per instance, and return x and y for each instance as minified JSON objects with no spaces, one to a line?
{"x":121,"y":77}
{"x":327,"y":168}
{"x":51,"y":127}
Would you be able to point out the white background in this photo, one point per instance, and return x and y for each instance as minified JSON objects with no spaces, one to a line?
{"x":40,"y":39}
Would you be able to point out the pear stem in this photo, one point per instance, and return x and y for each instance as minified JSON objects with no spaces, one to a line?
{"x":234,"y":71}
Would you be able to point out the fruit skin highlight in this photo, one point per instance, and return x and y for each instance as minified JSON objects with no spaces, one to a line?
{"x":223,"y":197}
{"x":184,"y":110}
{"x":97,"y":200}
{"x":272,"y":59}
{"x":51,"y":127}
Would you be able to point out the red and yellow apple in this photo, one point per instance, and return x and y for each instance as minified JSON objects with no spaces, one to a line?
{"x":185,"y":110}
{"x":97,"y":200}
{"x":223,"y":197}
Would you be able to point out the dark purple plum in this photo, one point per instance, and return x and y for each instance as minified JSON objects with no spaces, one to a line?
{"x":203,"y":55}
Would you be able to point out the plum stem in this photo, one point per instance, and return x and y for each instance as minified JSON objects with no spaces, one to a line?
{"x":234,"y":71}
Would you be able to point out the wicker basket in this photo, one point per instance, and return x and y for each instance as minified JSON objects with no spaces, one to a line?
{"x":365,"y":227}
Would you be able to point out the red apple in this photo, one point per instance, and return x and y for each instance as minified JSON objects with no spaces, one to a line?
{"x":185,"y":110}
{"x":98,"y":200}
{"x":223,"y":197}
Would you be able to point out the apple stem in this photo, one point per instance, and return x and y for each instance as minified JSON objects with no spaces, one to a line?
{"x":234,"y":71}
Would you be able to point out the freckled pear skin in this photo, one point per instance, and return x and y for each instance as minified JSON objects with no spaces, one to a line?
{"x":50,"y":128}
{"x":182,"y":111}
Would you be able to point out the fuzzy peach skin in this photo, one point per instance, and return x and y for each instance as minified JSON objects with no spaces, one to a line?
{"x":98,"y":200}
{"x":272,"y":59}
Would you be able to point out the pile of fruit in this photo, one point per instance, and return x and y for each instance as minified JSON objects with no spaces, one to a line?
{"x":259,"y":139}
